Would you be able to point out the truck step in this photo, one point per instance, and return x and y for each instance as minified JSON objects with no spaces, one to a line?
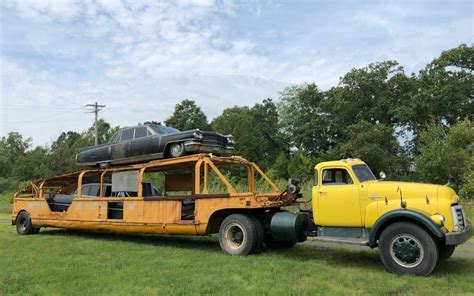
{"x":341,"y":240}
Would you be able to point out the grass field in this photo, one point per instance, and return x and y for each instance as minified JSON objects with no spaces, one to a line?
{"x":58,"y":262}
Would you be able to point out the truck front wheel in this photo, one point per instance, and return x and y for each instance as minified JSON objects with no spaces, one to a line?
{"x":239,"y":235}
{"x":405,"y":247}
{"x":445,"y":252}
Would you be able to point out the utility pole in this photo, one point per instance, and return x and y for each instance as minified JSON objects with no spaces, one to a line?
{"x":96,"y":110}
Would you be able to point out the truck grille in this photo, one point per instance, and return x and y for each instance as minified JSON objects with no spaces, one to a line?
{"x":458,"y":216}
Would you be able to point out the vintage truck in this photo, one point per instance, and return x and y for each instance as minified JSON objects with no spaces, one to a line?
{"x":414,"y":225}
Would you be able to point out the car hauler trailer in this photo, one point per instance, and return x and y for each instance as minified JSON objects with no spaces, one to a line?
{"x":415,"y":226}
{"x":116,"y":199}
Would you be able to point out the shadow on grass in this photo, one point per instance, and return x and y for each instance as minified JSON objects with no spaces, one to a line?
{"x":364,"y":259}
{"x":185,"y":242}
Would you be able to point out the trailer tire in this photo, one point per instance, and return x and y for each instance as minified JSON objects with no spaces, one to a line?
{"x":406,"y":248}
{"x":239,"y":235}
{"x":271,"y":243}
{"x":24,"y":225}
{"x":445,"y":252}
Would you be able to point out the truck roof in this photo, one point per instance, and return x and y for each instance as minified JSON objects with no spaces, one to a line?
{"x":348,"y":162}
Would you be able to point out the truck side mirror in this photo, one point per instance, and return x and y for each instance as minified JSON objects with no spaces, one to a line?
{"x":382,"y":175}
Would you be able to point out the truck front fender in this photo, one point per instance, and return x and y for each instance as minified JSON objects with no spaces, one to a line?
{"x":403,"y":215}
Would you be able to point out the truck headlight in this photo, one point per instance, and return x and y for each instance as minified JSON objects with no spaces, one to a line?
{"x":198,"y":135}
{"x":438,"y":219}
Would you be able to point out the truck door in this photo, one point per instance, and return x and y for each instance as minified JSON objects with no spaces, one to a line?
{"x":338,"y":199}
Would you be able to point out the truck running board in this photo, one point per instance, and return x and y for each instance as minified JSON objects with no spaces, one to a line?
{"x":341,"y":240}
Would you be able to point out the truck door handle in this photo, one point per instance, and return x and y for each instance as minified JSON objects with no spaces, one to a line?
{"x":322,"y":191}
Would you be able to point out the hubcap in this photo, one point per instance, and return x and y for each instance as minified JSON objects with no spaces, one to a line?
{"x":234,"y":235}
{"x":22,"y":223}
{"x":176,"y":149}
{"x":406,"y":250}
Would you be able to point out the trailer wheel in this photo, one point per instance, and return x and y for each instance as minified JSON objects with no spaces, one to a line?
{"x":176,"y":150}
{"x":24,"y":225}
{"x":405,"y":247}
{"x":445,"y":252}
{"x":239,"y":235}
{"x":271,"y":243}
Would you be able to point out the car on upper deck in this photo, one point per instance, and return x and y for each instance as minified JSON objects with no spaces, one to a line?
{"x":152,"y":141}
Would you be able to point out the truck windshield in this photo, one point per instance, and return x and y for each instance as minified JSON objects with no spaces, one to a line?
{"x":363,"y":172}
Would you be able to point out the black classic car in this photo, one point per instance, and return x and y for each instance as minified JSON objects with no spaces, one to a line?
{"x":152,"y":141}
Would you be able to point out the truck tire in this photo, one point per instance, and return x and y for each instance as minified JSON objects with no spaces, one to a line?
{"x":271,"y":243}
{"x":405,"y":247}
{"x":24,"y":225}
{"x":176,"y":150}
{"x":239,"y":235}
{"x":445,"y":252}
{"x":260,"y":235}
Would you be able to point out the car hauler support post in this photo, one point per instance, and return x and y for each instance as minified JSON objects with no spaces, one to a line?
{"x":197,"y":177}
{"x":140,"y":182}
{"x":250,"y":178}
{"x":101,"y":189}
{"x":205,"y":190}
{"x":79,"y":184}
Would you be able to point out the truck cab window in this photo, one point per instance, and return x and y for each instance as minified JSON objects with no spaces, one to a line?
{"x":336,"y":177}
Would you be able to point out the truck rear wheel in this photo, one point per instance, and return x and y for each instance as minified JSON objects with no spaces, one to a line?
{"x":24,"y":225}
{"x":405,"y":247}
{"x":239,"y":235}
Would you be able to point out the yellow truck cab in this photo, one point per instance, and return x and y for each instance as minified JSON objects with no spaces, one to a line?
{"x":414,"y":225}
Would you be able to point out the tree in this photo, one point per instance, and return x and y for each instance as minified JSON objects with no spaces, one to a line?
{"x":187,"y":116}
{"x":444,"y":92}
{"x":105,"y":132}
{"x":447,"y":156}
{"x":256,"y":131}
{"x":304,"y":119}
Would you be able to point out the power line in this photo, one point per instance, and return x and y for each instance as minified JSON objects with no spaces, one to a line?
{"x":96,"y":110}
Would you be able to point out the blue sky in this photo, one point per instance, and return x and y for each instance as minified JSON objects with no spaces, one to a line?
{"x":140,"y":58}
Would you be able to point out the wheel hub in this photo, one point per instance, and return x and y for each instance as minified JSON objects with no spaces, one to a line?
{"x":406,"y":250}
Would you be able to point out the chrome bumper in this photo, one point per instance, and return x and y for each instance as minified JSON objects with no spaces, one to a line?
{"x":195,"y":146}
{"x":457,"y":238}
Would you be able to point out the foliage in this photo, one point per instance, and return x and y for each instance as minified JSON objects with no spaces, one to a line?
{"x":446,"y":156}
{"x":256,"y":131}
{"x":186,"y":116}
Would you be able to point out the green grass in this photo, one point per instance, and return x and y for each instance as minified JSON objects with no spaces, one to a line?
{"x":58,"y":262}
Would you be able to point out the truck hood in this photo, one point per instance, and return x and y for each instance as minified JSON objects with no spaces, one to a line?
{"x":411,"y":191}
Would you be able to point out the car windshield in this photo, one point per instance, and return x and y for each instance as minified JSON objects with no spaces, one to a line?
{"x":159,"y":129}
{"x":363,"y":172}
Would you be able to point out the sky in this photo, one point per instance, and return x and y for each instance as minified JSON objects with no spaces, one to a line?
{"x":140,"y":58}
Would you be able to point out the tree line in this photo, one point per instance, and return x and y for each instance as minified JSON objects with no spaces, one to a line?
{"x":414,"y":127}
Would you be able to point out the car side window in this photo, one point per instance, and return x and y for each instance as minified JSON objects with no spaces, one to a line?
{"x":140,"y":132}
{"x":127,"y":135}
{"x":336,"y":176}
